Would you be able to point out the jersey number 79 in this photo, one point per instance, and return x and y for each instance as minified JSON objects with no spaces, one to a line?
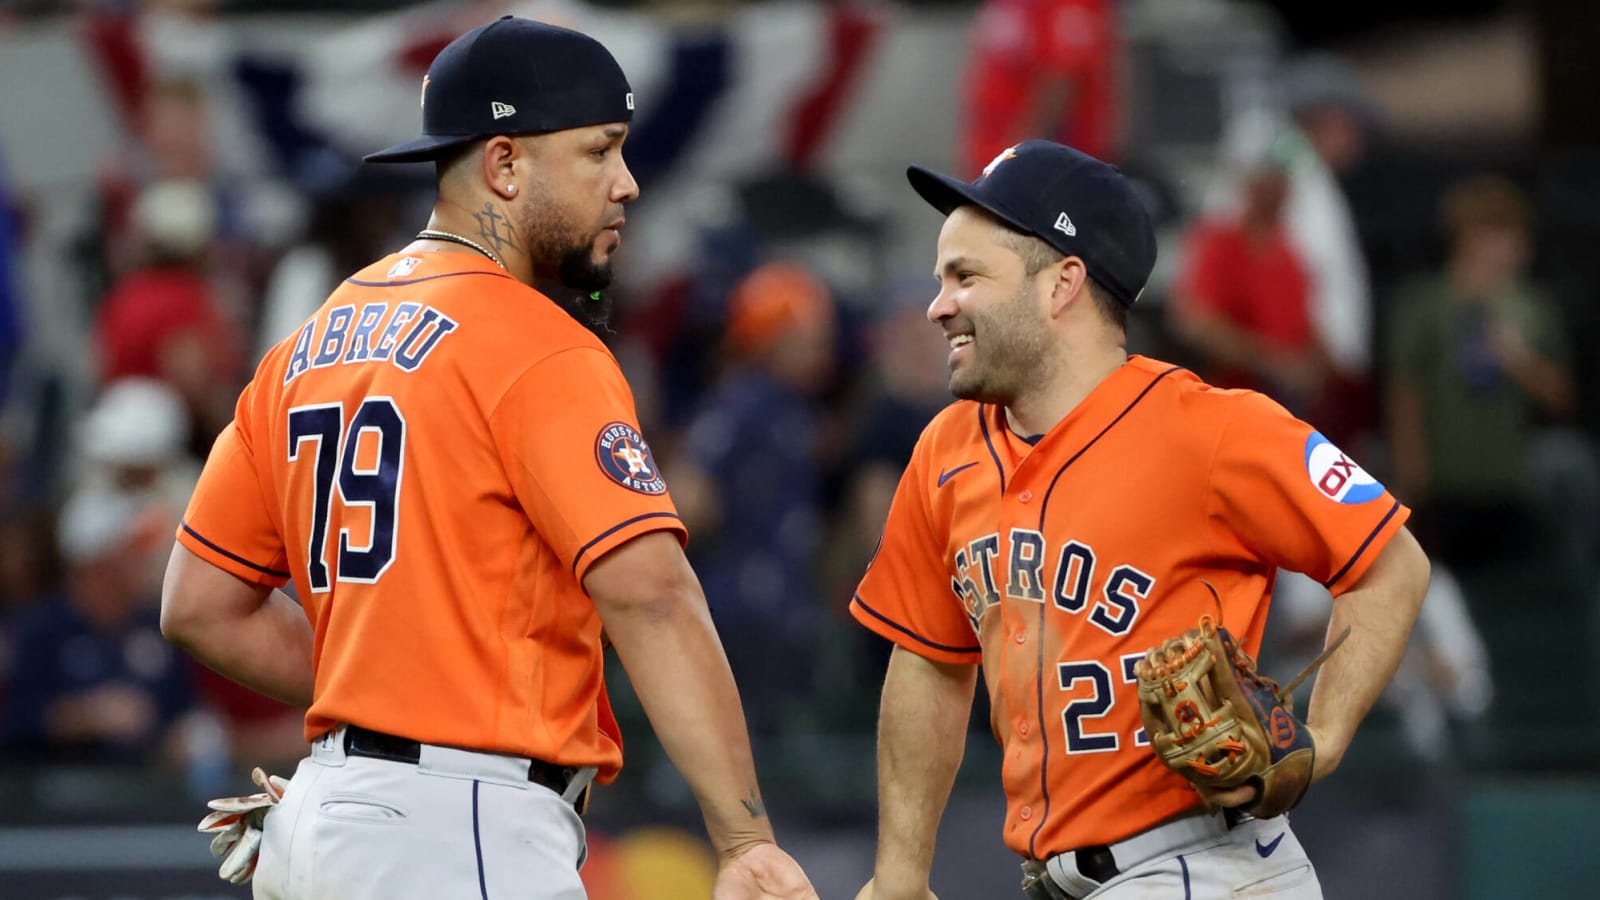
{"x":372,"y":482}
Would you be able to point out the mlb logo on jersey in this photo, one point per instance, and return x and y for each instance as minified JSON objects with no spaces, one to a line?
{"x":404,"y":267}
{"x":1335,"y":476}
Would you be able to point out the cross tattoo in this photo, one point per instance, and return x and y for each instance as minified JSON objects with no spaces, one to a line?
{"x":489,"y":222}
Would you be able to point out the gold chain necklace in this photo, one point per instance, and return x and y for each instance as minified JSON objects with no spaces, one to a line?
{"x":434,"y":234}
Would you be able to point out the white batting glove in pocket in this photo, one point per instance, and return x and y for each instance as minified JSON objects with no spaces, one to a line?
{"x":236,"y":825}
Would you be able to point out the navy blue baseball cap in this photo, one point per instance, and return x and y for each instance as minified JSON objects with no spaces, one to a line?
{"x":1068,"y":199}
{"x":514,"y":76}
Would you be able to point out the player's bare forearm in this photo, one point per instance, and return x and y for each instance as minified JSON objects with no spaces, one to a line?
{"x":656,"y":617}
{"x":1379,"y":611}
{"x":922,"y":731}
{"x":247,"y":632}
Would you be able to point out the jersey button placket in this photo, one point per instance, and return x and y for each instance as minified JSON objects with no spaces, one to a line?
{"x":1025,"y":813}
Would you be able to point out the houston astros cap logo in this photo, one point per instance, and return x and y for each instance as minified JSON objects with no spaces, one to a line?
{"x":1008,"y":153}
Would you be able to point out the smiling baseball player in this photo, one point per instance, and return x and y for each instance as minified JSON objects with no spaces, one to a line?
{"x":1055,"y":524}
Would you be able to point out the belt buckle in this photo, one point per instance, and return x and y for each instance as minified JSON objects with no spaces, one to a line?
{"x":1037,"y":883}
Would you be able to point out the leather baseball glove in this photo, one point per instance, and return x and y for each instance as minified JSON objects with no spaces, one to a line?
{"x":1216,"y":721}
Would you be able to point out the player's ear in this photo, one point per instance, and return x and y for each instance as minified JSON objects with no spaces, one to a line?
{"x":1070,"y":286}
{"x":500,"y":156}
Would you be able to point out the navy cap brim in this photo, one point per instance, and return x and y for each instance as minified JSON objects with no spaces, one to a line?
{"x":945,"y":194}
{"x":424,"y":149}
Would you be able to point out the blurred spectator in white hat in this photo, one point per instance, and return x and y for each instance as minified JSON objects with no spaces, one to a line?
{"x":161,"y":319}
{"x":1334,"y":120}
{"x":1319,"y":132}
{"x":134,"y":442}
{"x":135,"y":439}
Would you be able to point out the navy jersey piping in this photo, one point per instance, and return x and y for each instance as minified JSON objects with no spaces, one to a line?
{"x":983,"y":425}
{"x":233,"y":556}
{"x":616,"y":528}
{"x":1044,"y":505}
{"x":1364,"y":544}
{"x":912,"y":634}
{"x":381,"y":284}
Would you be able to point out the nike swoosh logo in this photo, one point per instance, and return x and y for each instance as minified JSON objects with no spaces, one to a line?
{"x":951,"y":473}
{"x":1265,"y":850}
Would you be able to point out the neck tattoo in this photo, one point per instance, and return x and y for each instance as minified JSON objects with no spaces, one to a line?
{"x":434,"y":234}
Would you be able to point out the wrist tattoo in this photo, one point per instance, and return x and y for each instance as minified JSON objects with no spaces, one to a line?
{"x":754,"y":806}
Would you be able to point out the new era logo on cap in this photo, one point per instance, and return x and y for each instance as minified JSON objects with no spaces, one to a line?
{"x":630,"y":100}
{"x":1065,"y":226}
{"x":501,"y":110}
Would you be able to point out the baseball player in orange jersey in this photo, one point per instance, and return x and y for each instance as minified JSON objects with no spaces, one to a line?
{"x":448,"y":466}
{"x":1053,"y":525}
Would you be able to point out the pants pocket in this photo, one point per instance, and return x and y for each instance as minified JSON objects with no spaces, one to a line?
{"x":1287,"y":880}
{"x":361,"y":809}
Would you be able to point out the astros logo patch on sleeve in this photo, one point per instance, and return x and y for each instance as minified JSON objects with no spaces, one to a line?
{"x":1335,"y":476}
{"x":625,"y":458}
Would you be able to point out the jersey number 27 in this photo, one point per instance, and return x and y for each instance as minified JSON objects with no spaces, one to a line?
{"x":370,"y":480}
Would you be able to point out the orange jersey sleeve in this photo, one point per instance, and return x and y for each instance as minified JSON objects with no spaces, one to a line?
{"x":905,"y":595}
{"x":229,"y":522}
{"x":579,"y":466}
{"x":1286,"y":494}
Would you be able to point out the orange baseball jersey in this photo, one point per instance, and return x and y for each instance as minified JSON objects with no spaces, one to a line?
{"x":1057,"y":564}
{"x":436,"y":458}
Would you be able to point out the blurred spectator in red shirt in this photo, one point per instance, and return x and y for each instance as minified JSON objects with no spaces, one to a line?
{"x":161,"y":320}
{"x":1242,"y":300}
{"x":1042,"y":69}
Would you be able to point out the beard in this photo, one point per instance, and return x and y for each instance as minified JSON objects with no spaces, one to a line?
{"x":1012,"y":343}
{"x":589,"y":308}
{"x":554,"y":248}
{"x":578,"y":270}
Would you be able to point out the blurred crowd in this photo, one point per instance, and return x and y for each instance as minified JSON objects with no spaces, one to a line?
{"x":782,"y":383}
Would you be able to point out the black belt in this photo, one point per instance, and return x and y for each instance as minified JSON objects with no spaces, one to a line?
{"x":360,"y":741}
{"x":1096,"y":863}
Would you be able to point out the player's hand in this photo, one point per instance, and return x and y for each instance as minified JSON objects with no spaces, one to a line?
{"x":870,"y":891}
{"x":1326,"y":761}
{"x":763,"y":872}
{"x":1243,"y":795}
{"x":236,"y":823}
